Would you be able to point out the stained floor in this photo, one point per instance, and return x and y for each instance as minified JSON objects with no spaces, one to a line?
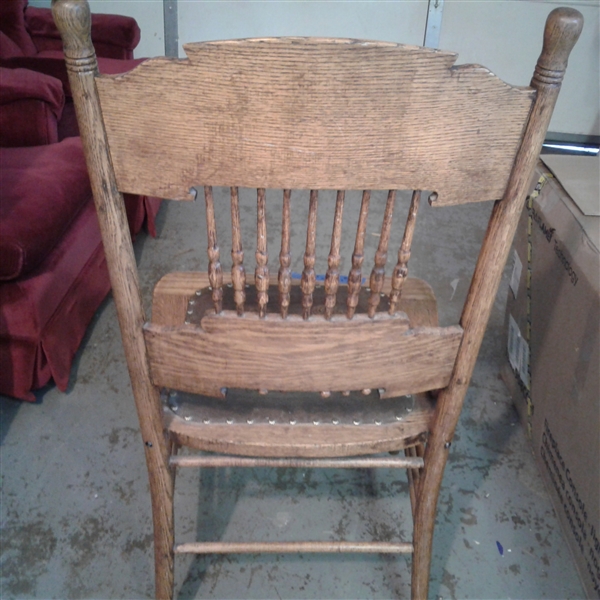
{"x":75,"y":513}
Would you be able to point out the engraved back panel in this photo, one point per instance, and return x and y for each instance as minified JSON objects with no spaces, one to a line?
{"x":313,"y":114}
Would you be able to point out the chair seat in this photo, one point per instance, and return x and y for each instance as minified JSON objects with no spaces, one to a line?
{"x":295,"y":424}
{"x":174,"y":291}
{"x":289,"y":425}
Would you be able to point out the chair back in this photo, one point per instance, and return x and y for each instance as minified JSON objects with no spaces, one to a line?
{"x":310,"y":114}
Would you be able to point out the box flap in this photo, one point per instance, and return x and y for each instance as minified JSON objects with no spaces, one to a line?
{"x":580,"y":176}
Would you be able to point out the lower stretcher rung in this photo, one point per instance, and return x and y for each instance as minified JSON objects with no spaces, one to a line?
{"x":393,"y":462}
{"x":289,"y":547}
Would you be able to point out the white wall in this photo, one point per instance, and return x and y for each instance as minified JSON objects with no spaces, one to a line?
{"x":506,"y":37}
{"x":224,"y":19}
{"x":148,"y":14}
{"x":503,"y":35}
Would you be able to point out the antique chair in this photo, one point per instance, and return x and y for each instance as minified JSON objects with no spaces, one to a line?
{"x":310,"y":114}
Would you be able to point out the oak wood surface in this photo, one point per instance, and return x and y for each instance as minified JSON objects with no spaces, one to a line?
{"x":73,"y":19}
{"x":400,"y":272}
{"x":308,"y":274}
{"x":310,"y":114}
{"x":215,"y":273}
{"x":562,"y":30}
{"x":284,"y":547}
{"x":305,"y":440}
{"x":238,"y":272}
{"x":176,"y":289}
{"x":358,"y":256}
{"x":285,"y":259}
{"x":313,"y":114}
{"x":360,"y":462}
{"x":250,"y":352}
{"x":261,"y":273}
{"x":378,"y":273}
{"x":332,"y":277}
{"x":173,"y":292}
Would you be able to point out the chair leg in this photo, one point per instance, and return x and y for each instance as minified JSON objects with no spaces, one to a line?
{"x":430,"y":482}
{"x":414,"y":475}
{"x":161,"y":493}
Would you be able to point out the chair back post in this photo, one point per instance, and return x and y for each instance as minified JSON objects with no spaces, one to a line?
{"x":561,"y":32}
{"x":73,"y":20}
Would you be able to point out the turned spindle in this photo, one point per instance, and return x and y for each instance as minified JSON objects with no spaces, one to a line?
{"x":238,"y":274}
{"x":261,"y":273}
{"x":308,"y":274}
{"x":215,"y":274}
{"x":355,"y":276}
{"x":378,"y":272}
{"x":332,"y":278}
{"x":285,"y":259}
{"x":401,"y":269}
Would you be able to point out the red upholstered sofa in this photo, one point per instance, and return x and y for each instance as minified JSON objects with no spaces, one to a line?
{"x":53,"y":275}
{"x":29,"y":39}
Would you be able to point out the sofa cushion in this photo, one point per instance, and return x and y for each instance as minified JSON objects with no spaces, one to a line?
{"x":18,"y":84}
{"x":8,"y":48}
{"x":114,"y":36}
{"x":12,"y":23}
{"x":31,"y":106}
{"x":42,"y":189}
{"x":43,"y":317}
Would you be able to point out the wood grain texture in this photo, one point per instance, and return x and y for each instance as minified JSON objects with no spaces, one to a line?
{"x":290,"y":547}
{"x":360,"y":462}
{"x":173,"y":292}
{"x":312,"y":114}
{"x":298,"y":113}
{"x":308,"y":274}
{"x":238,"y":274}
{"x":285,"y":258}
{"x":332,"y":277}
{"x":256,"y":353}
{"x":306,"y":441}
{"x":358,"y":256}
{"x":261,"y":273}
{"x":215,"y":273}
{"x":562,"y":30}
{"x":73,"y":20}
{"x":378,"y":272}
{"x":400,"y":272}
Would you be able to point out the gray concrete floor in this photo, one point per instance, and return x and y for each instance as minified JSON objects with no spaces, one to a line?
{"x":75,"y":513}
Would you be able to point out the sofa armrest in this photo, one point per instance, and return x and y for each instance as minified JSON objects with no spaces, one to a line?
{"x":31,"y":105}
{"x":54,"y":67}
{"x":114,"y":36}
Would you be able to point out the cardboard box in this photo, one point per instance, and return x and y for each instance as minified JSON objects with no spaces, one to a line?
{"x":552,"y":340}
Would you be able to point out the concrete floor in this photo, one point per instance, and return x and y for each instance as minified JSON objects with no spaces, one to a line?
{"x":75,"y":514}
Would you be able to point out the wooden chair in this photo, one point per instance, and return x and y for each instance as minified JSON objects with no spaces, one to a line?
{"x":309,"y":114}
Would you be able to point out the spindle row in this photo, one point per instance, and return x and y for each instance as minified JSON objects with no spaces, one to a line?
{"x":308,"y":278}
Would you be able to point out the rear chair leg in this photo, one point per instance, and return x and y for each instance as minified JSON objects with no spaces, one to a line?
{"x":161,"y":493}
{"x":414,"y":475}
{"x":428,"y":490}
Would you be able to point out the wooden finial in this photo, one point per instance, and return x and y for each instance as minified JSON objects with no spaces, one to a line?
{"x":563,"y":27}
{"x":74,"y":21}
